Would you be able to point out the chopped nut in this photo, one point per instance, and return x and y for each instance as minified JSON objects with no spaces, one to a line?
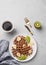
{"x":18,"y":38}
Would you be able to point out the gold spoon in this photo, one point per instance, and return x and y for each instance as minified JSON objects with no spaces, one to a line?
{"x":27,"y":21}
{"x":28,"y":29}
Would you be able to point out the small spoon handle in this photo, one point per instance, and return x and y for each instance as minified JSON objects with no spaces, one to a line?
{"x":28,"y":29}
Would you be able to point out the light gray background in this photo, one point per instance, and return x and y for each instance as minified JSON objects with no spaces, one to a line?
{"x":16,"y":11}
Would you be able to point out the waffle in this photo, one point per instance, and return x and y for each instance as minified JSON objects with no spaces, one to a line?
{"x":19,"y":47}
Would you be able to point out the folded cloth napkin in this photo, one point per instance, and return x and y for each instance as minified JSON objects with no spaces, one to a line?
{"x":5,"y":57}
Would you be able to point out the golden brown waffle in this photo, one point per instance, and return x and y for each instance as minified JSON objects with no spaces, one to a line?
{"x":20,"y":48}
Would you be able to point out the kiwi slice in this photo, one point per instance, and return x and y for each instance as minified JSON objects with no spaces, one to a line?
{"x":22,"y":57}
{"x":37,"y":24}
{"x":27,"y":38}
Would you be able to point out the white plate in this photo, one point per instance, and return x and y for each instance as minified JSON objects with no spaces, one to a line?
{"x":34,"y":46}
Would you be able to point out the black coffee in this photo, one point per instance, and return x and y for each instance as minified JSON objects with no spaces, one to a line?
{"x":7,"y":25}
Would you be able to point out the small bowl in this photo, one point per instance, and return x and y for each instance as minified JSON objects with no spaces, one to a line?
{"x":8,"y":31}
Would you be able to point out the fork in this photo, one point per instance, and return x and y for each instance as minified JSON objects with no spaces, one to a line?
{"x":27,"y":21}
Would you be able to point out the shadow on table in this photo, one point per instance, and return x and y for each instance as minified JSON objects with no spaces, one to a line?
{"x":13,"y":33}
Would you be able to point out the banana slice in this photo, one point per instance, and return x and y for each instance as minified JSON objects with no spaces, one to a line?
{"x":18,"y":54}
{"x":30,"y":51}
{"x":24,"y":45}
{"x":18,"y":38}
{"x":14,"y":46}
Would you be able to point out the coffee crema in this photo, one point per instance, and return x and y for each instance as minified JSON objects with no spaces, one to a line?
{"x":7,"y":25}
